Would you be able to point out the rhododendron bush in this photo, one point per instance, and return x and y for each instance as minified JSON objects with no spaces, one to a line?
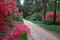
{"x":49,"y":18}
{"x":11,"y":23}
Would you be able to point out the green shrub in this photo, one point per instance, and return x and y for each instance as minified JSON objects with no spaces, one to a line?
{"x":37,"y":16}
{"x":48,"y":21}
{"x":19,"y":18}
{"x":57,"y":22}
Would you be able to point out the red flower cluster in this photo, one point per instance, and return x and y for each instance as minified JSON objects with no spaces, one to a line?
{"x":15,"y":33}
{"x":6,"y":36}
{"x":50,"y":15}
{"x":7,"y":9}
{"x":4,"y":28}
{"x":20,"y":28}
{"x":23,"y":28}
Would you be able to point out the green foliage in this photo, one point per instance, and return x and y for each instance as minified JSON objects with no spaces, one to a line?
{"x":58,"y":22}
{"x":37,"y":16}
{"x":14,"y":17}
{"x":48,"y":21}
{"x":21,"y":7}
{"x":29,"y":8}
{"x":23,"y":36}
{"x":50,"y":7}
{"x":9,"y":24}
{"x":58,"y":8}
{"x":28,"y":17}
{"x":19,"y":18}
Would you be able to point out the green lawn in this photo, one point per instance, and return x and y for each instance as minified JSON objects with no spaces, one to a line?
{"x":53,"y":28}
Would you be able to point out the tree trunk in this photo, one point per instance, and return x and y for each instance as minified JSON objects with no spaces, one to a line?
{"x":54,"y":20}
{"x":45,"y":7}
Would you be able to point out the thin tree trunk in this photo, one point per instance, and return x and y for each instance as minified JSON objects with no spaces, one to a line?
{"x":54,"y":20}
{"x":45,"y":7}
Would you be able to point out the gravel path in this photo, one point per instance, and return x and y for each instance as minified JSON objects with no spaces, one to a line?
{"x":38,"y":33}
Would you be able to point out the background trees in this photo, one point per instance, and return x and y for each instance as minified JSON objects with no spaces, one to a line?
{"x":35,"y":9}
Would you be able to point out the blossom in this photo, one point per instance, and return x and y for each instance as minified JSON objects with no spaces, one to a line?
{"x":58,"y":18}
{"x":11,"y":2}
{"x":7,"y":9}
{"x":16,"y":10}
{"x":1,"y":0}
{"x":21,"y":13}
{"x":14,"y":22}
{"x":3,"y":28}
{"x":6,"y":36}
{"x":50,"y":15}
{"x":23,"y":28}
{"x":1,"y":19}
{"x":15,"y":33}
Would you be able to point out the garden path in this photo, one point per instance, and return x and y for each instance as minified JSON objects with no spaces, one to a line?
{"x":38,"y":33}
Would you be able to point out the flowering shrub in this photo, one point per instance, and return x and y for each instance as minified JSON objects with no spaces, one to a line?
{"x":6,"y":36}
{"x":20,"y":28}
{"x":9,"y":18}
{"x":49,"y":16}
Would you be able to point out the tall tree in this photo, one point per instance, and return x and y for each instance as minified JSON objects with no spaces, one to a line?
{"x":45,"y":6}
{"x":54,"y":20}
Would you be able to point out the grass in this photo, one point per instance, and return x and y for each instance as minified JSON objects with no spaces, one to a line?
{"x":53,"y":28}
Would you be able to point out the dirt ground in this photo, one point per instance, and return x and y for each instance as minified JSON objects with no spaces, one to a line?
{"x":38,"y":33}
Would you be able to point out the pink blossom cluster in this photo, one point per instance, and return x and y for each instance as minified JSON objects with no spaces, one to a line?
{"x":20,"y":28}
{"x":50,"y":15}
{"x":6,"y":36}
{"x":16,"y":32}
{"x":7,"y":8}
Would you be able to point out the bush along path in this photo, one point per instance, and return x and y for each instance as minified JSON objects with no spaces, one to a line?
{"x":49,"y":18}
{"x":11,"y":23}
{"x":38,"y":33}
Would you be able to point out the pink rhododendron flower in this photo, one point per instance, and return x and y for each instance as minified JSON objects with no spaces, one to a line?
{"x":7,"y":9}
{"x":1,"y":19}
{"x":15,"y":33}
{"x":1,"y":0}
{"x":58,"y":18}
{"x":23,"y":28}
{"x":16,"y":14}
{"x":14,"y":22}
{"x":21,"y":13}
{"x":6,"y":37}
{"x":10,"y":17}
{"x":11,"y":2}
{"x":3,"y":28}
{"x":50,"y":15}
{"x":16,"y":10}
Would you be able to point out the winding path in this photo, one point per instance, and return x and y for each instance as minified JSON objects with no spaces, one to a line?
{"x":38,"y":33}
